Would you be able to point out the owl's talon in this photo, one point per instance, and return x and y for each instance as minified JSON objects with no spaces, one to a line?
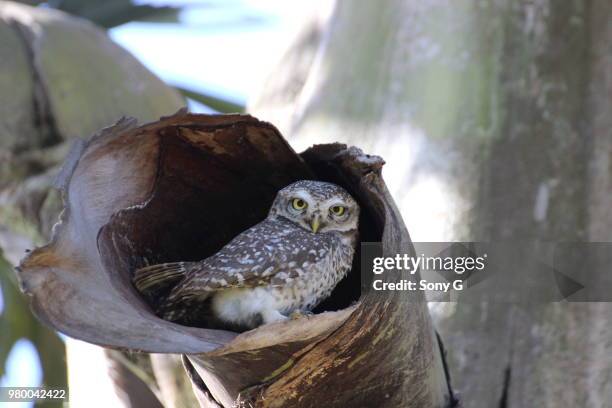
{"x":298,"y":314}
{"x":271,"y":316}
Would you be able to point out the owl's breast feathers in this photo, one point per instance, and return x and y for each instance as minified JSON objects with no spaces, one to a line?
{"x":274,"y":253}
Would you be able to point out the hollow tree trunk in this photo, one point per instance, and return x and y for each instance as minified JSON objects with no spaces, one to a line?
{"x":175,"y":190}
{"x":494,"y":119}
{"x":385,"y":354}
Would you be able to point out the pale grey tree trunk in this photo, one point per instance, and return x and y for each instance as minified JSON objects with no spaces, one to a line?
{"x":61,"y":78}
{"x":494,"y":119}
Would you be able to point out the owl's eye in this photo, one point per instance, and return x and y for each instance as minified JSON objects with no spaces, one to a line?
{"x":298,"y":204}
{"x":338,"y":210}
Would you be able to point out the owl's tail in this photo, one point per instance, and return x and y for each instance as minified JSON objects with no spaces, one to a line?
{"x":152,"y":278}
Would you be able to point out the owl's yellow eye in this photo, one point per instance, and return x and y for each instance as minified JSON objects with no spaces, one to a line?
{"x":338,"y":210}
{"x":298,"y":204}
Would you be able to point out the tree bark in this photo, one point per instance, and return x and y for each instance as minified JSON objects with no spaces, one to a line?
{"x":175,"y":190}
{"x":385,"y":354}
{"x":494,"y":120}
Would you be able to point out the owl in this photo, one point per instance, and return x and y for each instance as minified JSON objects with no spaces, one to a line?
{"x":283,"y":266}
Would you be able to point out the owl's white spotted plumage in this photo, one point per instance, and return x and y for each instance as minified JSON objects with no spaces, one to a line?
{"x":287,"y":263}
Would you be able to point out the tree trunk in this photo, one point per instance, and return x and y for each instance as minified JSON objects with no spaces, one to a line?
{"x":494,"y":120}
{"x":62,"y":78}
{"x":175,"y":190}
{"x":385,"y":354}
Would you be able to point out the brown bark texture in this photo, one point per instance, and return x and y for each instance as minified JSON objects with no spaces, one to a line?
{"x":180,"y":188}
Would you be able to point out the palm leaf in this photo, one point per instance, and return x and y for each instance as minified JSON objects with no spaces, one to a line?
{"x":111,"y":13}
{"x":220,"y":104}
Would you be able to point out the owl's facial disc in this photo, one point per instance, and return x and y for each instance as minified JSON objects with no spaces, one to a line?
{"x":317,"y":207}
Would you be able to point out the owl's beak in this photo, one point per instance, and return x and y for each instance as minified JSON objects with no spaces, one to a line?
{"x":315,"y":224}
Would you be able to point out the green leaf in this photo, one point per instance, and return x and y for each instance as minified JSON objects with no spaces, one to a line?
{"x":111,"y":13}
{"x":212,"y":101}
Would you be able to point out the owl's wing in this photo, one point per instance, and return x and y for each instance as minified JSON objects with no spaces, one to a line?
{"x":270,"y":253}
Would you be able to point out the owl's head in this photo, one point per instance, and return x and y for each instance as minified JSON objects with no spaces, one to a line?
{"x":317,"y":206}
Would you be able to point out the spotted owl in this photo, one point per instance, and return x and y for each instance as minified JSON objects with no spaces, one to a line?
{"x":286,"y":264}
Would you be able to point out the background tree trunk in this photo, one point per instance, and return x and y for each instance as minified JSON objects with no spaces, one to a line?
{"x":494,"y":120}
{"x":61,"y":79}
